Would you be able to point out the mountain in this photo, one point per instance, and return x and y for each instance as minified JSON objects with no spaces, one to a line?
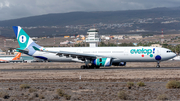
{"x":108,"y":22}
{"x":79,"y":18}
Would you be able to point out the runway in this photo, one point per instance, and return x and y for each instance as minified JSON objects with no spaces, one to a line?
{"x":79,"y":69}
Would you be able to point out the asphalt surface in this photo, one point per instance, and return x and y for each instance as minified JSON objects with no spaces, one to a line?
{"x":111,"y":68}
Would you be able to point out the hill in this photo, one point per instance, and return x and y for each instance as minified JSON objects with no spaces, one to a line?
{"x":108,"y":22}
{"x":79,"y":18}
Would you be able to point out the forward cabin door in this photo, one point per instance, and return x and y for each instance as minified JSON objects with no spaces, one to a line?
{"x":158,"y":51}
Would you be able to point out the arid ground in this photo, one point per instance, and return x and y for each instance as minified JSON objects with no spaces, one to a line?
{"x":49,"y":81}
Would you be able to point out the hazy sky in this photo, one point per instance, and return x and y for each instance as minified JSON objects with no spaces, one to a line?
{"x":11,"y":9}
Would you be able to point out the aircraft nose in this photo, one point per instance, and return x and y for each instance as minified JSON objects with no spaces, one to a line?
{"x":174,"y":54}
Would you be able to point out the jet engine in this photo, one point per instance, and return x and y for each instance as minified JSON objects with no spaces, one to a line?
{"x":102,"y":62}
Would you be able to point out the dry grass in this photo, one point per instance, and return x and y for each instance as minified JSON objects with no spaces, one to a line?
{"x":173,"y":84}
{"x":122,"y":95}
{"x":130,"y":84}
{"x":41,"y":96}
{"x":24,"y":86}
{"x":32,"y":90}
{"x":141,"y":84}
{"x":162,"y":97}
{"x":67,"y":97}
{"x":4,"y":95}
{"x":60,"y":92}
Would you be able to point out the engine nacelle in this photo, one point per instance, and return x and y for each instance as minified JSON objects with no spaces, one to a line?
{"x":102,"y":62}
{"x":119,"y":63}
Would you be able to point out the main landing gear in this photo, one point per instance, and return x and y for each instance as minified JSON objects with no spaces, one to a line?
{"x":158,"y":66}
{"x":89,"y":67}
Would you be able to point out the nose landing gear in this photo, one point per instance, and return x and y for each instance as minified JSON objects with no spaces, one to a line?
{"x":158,"y":66}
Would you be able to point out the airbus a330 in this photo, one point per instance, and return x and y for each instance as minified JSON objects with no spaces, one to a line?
{"x":93,"y":57}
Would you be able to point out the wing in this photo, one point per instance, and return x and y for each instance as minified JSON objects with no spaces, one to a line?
{"x":80,"y":56}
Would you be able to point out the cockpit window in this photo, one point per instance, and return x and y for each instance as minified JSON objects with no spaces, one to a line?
{"x":169,"y":51}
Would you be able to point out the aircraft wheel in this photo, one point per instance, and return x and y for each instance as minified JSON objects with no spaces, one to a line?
{"x":83,"y":67}
{"x":158,"y":66}
{"x":97,"y":67}
{"x":87,"y":67}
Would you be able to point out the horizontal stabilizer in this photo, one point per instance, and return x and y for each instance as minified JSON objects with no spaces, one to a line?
{"x":25,"y":51}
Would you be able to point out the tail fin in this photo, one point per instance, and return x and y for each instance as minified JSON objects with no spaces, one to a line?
{"x":25,"y":42}
{"x":17,"y":57}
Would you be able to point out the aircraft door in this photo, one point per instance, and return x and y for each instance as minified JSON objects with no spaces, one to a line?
{"x":126,"y":55}
{"x":126,"y":52}
{"x":158,"y":51}
{"x":79,"y":51}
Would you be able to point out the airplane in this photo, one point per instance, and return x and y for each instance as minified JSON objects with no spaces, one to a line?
{"x":93,"y":57}
{"x":8,"y":59}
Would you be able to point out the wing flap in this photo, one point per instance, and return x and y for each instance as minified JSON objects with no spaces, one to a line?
{"x":80,"y":56}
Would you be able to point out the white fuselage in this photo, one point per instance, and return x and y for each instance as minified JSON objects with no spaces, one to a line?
{"x":120,"y":54}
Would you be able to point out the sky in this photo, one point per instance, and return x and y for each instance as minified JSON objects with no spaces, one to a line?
{"x":13,"y":9}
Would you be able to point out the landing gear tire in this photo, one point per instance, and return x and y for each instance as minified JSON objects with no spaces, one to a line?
{"x":158,"y":66}
{"x":97,"y":67}
{"x":83,"y":67}
{"x":89,"y":67}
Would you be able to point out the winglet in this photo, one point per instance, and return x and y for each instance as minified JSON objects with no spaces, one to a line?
{"x":35,"y":48}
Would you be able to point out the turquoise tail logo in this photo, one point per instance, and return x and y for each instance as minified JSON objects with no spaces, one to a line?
{"x":25,"y":42}
{"x":21,"y":36}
